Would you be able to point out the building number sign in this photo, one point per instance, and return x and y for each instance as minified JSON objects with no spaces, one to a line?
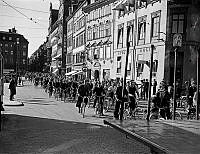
{"x":177,"y":40}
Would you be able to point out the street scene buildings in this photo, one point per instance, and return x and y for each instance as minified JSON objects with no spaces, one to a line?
{"x":97,"y":33}
{"x":132,"y":65}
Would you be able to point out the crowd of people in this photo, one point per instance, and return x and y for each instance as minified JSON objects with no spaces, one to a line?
{"x":63,"y":89}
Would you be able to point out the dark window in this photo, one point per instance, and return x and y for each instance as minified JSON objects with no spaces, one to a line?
{"x":178,"y":23}
{"x":119,"y":64}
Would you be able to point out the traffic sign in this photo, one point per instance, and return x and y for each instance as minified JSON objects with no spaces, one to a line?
{"x":177,"y":40}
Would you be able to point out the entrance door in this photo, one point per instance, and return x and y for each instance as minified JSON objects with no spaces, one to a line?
{"x":96,"y":75}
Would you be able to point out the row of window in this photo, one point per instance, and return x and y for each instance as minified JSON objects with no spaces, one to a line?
{"x":99,"y":13}
{"x":79,"y":24}
{"x":177,"y":27}
{"x":79,"y":40}
{"x":99,"y":31}
{"x":10,"y":45}
{"x":102,"y":53}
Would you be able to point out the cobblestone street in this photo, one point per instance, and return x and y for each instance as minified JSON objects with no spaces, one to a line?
{"x":44,"y":125}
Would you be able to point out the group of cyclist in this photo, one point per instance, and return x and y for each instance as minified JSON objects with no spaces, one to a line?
{"x":87,"y":90}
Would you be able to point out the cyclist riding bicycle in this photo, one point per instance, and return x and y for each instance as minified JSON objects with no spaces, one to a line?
{"x":83,"y":91}
{"x":99,"y":92}
{"x":132,"y":91}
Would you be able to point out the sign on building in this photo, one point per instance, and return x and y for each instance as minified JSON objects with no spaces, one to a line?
{"x":177,"y":40}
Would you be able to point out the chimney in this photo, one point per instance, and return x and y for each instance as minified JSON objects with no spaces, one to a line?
{"x":14,"y":30}
{"x":9,"y":30}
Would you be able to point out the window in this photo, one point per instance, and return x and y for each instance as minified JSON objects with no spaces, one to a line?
{"x":24,"y":46}
{"x":10,"y":38}
{"x":178,"y":23}
{"x":119,"y":64}
{"x":24,"y":53}
{"x":6,"y":45}
{"x":101,"y":29}
{"x":108,"y":29}
{"x":4,"y":38}
{"x":141,"y":30}
{"x":108,"y":52}
{"x":11,"y":52}
{"x":95,"y":32}
{"x":24,"y":61}
{"x":96,"y":53}
{"x":155,"y":24}
{"x":130,"y":32}
{"x":101,"y":53}
{"x":140,"y":68}
{"x":129,"y":69}
{"x":120,"y":36}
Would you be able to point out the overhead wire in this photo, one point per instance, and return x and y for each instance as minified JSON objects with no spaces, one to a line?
{"x":26,"y":27}
{"x":3,"y":15}
{"x":27,"y":9}
{"x":21,"y":13}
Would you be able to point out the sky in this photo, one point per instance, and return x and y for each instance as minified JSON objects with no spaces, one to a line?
{"x":35,"y":30}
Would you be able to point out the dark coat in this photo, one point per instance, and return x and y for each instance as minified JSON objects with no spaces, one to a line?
{"x":12,"y":87}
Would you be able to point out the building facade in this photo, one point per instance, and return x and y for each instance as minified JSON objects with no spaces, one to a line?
{"x":99,"y":40}
{"x":14,"y":48}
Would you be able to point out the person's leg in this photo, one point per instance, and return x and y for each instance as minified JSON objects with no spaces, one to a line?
{"x":121,"y":110}
{"x":116,"y":111}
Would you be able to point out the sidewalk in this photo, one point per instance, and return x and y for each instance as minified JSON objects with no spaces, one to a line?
{"x":168,"y":136}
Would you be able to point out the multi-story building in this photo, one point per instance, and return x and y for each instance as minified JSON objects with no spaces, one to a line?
{"x":142,"y":28}
{"x":14,"y":48}
{"x":69,"y":55}
{"x":53,"y":39}
{"x":99,"y":39}
{"x":153,"y":25}
{"x":78,"y":40}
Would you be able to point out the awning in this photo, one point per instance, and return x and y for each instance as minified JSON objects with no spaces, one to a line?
{"x":107,"y":42}
{"x":55,"y":72}
{"x":58,"y":56}
{"x":94,"y":44}
{"x":100,"y":43}
{"x":78,"y":72}
{"x":120,"y":6}
{"x":88,"y":45}
{"x":70,"y":73}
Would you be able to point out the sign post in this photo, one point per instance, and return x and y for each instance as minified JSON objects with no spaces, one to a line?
{"x":177,"y":42}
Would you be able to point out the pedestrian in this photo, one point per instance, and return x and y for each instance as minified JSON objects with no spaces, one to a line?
{"x":146,"y":88}
{"x":154,"y":86}
{"x":163,"y":98}
{"x":12,"y":87}
{"x":119,"y":106}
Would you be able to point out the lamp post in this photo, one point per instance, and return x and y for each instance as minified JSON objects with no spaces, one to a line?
{"x":177,"y":42}
{"x":17,"y":56}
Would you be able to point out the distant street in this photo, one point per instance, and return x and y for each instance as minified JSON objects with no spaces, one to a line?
{"x":44,"y":125}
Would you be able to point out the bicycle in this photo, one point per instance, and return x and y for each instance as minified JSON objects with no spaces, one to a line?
{"x":155,"y":114}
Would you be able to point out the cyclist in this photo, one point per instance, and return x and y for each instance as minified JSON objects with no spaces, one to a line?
{"x":82,"y":92}
{"x":132,"y":91}
{"x":99,"y":92}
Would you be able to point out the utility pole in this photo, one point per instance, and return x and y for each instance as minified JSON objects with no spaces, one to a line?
{"x":197,"y":107}
{"x":150,"y":81}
